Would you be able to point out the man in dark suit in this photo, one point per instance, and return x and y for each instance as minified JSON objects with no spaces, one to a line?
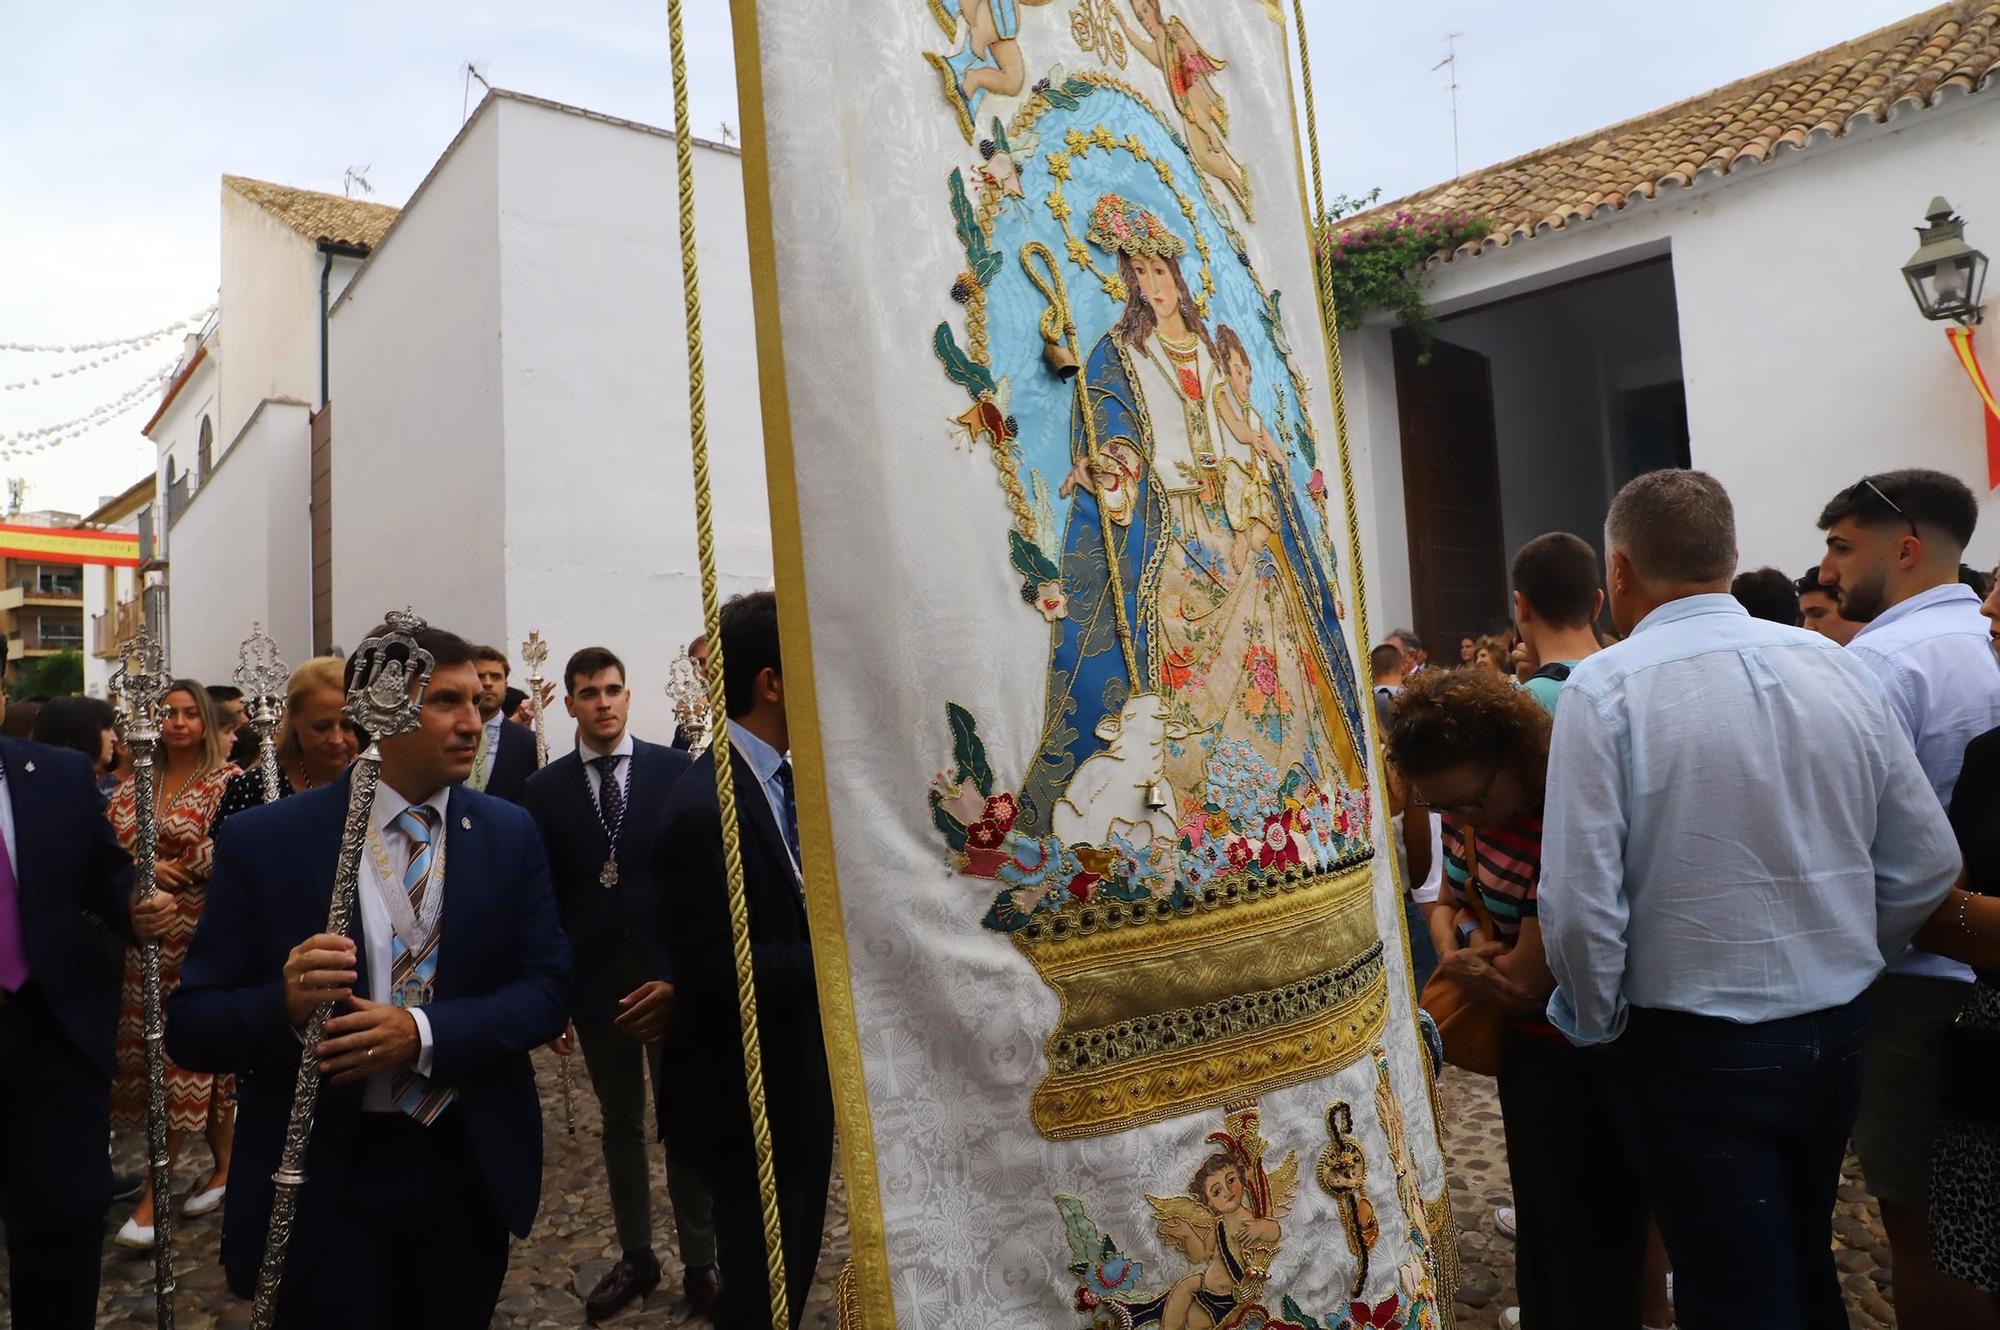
{"x":706,"y":1048}
{"x":506,"y":754}
{"x":598,"y":808}
{"x":64,"y":887}
{"x":427,"y":1144}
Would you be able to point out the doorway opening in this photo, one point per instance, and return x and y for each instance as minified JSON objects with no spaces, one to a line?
{"x":1526,"y":416}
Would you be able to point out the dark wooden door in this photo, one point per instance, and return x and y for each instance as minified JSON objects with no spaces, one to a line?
{"x":1451,"y":493}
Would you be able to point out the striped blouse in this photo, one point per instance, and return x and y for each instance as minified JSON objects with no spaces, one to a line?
{"x":1510,"y":867}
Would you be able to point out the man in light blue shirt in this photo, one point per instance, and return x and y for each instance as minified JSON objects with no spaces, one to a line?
{"x":1893,"y":543}
{"x":1737,"y":836}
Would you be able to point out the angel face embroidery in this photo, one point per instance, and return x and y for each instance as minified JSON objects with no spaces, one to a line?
{"x":1190,"y":73}
{"x":1225,"y":1224}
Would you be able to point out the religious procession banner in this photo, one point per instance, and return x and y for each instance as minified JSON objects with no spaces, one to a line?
{"x":1110,"y":953}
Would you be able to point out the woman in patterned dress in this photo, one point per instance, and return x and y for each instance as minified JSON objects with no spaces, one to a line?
{"x":189,"y":777}
{"x":316,"y":742}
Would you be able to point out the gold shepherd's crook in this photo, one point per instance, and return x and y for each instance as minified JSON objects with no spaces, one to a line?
{"x":1059,"y":330}
{"x":724,"y":750}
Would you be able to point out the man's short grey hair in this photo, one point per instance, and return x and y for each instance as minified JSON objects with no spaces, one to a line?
{"x":1677,"y":527}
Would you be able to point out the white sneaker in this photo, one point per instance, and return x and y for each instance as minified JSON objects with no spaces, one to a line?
{"x":1503,"y":1220}
{"x":205,"y":1203}
{"x":138,"y":1239}
{"x":1510,"y":1319}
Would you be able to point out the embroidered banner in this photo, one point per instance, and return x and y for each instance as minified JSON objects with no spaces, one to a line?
{"x":1115,"y":980}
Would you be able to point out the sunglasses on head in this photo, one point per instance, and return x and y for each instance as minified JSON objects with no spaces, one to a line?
{"x":1867,"y":483}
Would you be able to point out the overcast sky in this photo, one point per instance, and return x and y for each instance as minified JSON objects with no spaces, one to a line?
{"x":120,"y":119}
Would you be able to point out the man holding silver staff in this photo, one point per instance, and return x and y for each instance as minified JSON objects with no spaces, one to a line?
{"x":426,"y":1147}
{"x":598,"y":809}
{"x":64,"y":883}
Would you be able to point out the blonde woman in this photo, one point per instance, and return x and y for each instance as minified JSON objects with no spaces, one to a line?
{"x":189,"y":778}
{"x":316,"y":743}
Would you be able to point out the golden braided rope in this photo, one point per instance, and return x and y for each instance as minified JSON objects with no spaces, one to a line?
{"x":1321,"y":232}
{"x":711,"y":606}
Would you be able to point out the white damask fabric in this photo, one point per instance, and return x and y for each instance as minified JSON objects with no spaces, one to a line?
{"x":1088,"y":671}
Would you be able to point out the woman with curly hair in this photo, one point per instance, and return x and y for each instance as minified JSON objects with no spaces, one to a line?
{"x":1475,"y":748}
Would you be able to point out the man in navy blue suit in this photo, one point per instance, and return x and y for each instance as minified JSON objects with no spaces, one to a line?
{"x":506,"y":754}
{"x":598,"y":808}
{"x":427,"y":1144}
{"x":705,"y":1051}
{"x":65,"y":888}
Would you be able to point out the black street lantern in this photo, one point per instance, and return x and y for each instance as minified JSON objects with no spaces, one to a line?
{"x":1946,"y":274}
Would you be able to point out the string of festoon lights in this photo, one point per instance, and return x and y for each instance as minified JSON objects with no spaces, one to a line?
{"x":21,"y":442}
{"x":72,"y":371}
{"x":79,"y":348}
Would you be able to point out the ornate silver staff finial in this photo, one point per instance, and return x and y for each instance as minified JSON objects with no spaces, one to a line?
{"x":261,"y":674}
{"x":387,"y":668}
{"x":385,"y":695}
{"x":138,"y":688}
{"x":689,"y":695}
{"x":536,"y":652}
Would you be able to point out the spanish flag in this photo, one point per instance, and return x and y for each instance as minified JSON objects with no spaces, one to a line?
{"x":1961,"y":345}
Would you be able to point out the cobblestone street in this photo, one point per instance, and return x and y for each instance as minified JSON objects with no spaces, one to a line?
{"x":573,"y":1245}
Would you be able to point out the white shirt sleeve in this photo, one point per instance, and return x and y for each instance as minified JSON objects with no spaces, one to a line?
{"x":424,"y":1051}
{"x":1581,"y":897}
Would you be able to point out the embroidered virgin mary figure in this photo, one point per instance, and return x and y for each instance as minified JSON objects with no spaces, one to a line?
{"x":1194,"y":651}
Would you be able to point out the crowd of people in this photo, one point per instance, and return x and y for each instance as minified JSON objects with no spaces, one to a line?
{"x":1711,"y":900}
{"x":429,"y":1122}
{"x":1705,"y":889}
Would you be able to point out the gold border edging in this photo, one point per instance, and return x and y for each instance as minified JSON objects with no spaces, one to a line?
{"x":866,"y":1274}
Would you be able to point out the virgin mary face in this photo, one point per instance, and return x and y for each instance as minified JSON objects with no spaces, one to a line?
{"x":1157,"y":287}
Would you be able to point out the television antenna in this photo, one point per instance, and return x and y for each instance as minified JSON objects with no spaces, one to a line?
{"x":471,"y":72}
{"x":728,"y":132}
{"x":356,"y":177}
{"x":1450,"y":61}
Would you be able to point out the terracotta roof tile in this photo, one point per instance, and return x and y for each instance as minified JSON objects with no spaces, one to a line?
{"x":1909,"y":65}
{"x":318,"y":216}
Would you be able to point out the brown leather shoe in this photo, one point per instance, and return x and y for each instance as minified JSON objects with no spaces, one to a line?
{"x":623,"y":1284}
{"x":703,"y":1286}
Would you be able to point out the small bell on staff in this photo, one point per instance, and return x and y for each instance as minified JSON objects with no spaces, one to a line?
{"x":1059,"y":358}
{"x":1157,"y":797}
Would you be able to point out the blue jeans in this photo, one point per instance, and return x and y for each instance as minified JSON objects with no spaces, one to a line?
{"x":1737,"y":1132}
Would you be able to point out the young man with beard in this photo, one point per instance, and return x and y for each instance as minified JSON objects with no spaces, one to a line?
{"x":506,"y":756}
{"x":598,"y":809}
{"x":1893,"y":544}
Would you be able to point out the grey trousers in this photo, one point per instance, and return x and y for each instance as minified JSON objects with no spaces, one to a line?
{"x":618,"y":1066}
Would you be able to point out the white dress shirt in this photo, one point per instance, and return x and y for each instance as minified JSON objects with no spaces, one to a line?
{"x":1934,"y":656}
{"x":595,"y":774}
{"x":1736,"y":826}
{"x":376,"y":930}
{"x":7,"y":821}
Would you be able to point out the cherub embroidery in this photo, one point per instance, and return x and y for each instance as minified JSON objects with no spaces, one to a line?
{"x":1226,"y":1225}
{"x":1189,"y":71}
{"x":989,"y":58}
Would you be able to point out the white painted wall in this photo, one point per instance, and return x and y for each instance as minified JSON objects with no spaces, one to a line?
{"x":240,"y":555}
{"x":418,"y":507}
{"x":1806,"y":364}
{"x":600,"y":546}
{"x":270,"y":304}
{"x":510,"y":370}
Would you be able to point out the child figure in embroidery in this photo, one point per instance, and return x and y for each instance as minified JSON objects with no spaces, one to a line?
{"x":990,"y":59}
{"x":1246,"y":491}
{"x":1189,"y":72}
{"x":1226,"y":1225}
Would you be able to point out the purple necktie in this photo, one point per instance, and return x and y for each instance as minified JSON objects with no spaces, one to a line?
{"x":13,"y":935}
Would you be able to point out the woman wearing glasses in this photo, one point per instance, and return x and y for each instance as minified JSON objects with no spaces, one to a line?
{"x":1474,"y":748}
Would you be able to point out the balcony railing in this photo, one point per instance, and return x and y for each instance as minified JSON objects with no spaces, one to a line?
{"x":35,"y":589}
{"x":48,"y":637}
{"x":113,"y":628}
